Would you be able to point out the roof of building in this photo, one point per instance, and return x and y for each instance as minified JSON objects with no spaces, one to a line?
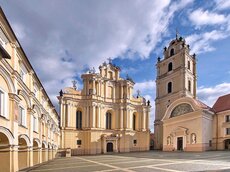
{"x":201,"y":104}
{"x":222,"y":103}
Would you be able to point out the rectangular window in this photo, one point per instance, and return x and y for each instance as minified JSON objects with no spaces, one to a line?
{"x":78,"y":142}
{"x":227,"y":131}
{"x":36,"y":91}
{"x":227,"y":118}
{"x":35,"y":124}
{"x":22,"y":116}
{"x":2,"y":103}
{"x":134,"y":141}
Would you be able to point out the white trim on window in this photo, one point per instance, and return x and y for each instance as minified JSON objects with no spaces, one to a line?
{"x":3,"y":103}
{"x":22,"y":116}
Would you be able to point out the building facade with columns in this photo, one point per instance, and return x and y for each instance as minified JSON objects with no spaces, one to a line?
{"x":182,"y":122}
{"x":104,"y":116}
{"x":29,"y":129}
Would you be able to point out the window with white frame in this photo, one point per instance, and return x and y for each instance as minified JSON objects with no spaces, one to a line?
{"x":2,"y":103}
{"x":227,"y":131}
{"x":36,"y":91}
{"x":23,"y":72}
{"x":35,"y":124}
{"x":22,"y":116}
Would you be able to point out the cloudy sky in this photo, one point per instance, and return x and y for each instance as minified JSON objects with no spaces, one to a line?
{"x":63,"y":39}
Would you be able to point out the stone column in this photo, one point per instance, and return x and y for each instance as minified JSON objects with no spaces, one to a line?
{"x":30,"y":150}
{"x":147,"y":120}
{"x":144,"y":120}
{"x":121,"y":95}
{"x":99,"y":117}
{"x":14,"y":158}
{"x":94,"y":88}
{"x":128,"y":118}
{"x":64,"y":115}
{"x":125,"y":118}
{"x":93,"y":119}
{"x":121,"y":118}
{"x":105,"y":90}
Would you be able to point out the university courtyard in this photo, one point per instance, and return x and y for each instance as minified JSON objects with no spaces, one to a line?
{"x":140,"y":162}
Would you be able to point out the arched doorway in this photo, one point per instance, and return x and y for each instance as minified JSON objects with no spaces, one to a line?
{"x":109,"y":147}
{"x":35,"y":153}
{"x":227,"y":144}
{"x":4,"y":152}
{"x":22,"y":153}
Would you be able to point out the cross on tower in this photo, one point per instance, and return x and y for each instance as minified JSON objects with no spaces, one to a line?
{"x":74,"y":84}
{"x":110,"y":60}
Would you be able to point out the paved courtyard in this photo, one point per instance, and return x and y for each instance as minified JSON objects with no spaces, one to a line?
{"x":141,"y":162}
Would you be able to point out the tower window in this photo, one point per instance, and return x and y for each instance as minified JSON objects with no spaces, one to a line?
{"x":189,"y":86}
{"x":227,"y":119}
{"x":172,"y":52}
{"x":169,"y":87}
{"x":170,"y":67}
{"x":79,"y":120}
{"x":189,"y":67}
{"x":134,"y":122}
{"x":108,"y":120}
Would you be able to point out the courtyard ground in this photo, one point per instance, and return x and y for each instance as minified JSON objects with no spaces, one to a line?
{"x":140,"y":162}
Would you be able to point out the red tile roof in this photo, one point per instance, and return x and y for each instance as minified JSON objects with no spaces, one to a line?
{"x":222,"y":103}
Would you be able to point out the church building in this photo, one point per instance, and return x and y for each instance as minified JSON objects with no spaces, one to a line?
{"x":104,"y":116}
{"x":182,"y":122}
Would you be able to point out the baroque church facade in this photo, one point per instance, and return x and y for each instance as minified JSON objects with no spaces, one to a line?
{"x":182,"y":122}
{"x":104,"y":116}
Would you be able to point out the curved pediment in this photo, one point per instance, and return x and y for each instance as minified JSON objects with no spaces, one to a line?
{"x":181,"y":109}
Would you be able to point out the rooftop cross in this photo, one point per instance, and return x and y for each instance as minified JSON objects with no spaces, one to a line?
{"x":110,"y":60}
{"x":74,"y":84}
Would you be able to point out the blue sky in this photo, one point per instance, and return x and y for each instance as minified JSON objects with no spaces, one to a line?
{"x":71,"y":36}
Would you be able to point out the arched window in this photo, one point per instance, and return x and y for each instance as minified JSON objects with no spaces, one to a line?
{"x":108,"y":120}
{"x":169,"y":87}
{"x":170,"y":67}
{"x":189,"y":85}
{"x":172,"y":52}
{"x":189,"y":65}
{"x":134,"y":122}
{"x":79,"y":119}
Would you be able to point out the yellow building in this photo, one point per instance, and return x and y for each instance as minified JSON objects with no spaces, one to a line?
{"x":103,"y":116}
{"x":29,"y":131}
{"x":181,"y":121}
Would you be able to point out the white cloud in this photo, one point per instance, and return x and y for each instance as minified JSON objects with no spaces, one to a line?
{"x":222,"y":4}
{"x":201,"y":43}
{"x":61,"y":38}
{"x":200,"y":17}
{"x":209,"y":95}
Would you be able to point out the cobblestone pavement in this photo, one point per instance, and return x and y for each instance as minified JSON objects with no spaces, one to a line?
{"x":141,"y":162}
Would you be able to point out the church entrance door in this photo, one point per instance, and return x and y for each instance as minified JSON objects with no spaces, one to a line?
{"x":180,"y":143}
{"x":110,"y":147}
